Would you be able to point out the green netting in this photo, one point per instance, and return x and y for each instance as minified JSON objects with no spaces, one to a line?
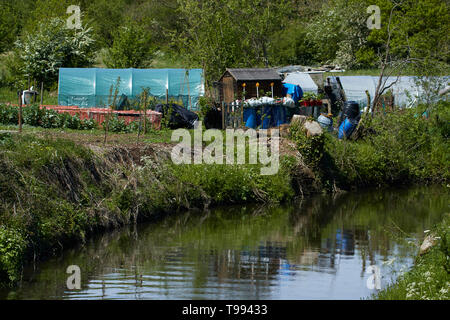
{"x":90,"y":87}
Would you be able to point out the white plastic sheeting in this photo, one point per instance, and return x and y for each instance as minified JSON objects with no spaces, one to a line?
{"x":303,"y":80}
{"x":405,"y":91}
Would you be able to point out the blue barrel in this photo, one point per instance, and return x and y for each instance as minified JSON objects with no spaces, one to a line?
{"x":281,"y":115}
{"x":346,"y":128}
{"x":267,"y":113}
{"x":250,"y":118}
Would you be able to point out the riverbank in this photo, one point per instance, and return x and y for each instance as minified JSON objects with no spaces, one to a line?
{"x":56,"y":192}
{"x":58,"y":187}
{"x":429,"y":278}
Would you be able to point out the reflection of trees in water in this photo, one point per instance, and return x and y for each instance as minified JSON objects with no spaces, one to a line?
{"x":247,"y":243}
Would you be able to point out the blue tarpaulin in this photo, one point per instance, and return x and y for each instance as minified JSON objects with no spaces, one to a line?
{"x":295,"y":91}
{"x":90,"y":87}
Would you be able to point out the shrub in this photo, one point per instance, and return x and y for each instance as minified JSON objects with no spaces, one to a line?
{"x":400,"y":147}
{"x":33,"y":115}
{"x":311,"y":148}
{"x":8,"y":114}
{"x":12,"y":249}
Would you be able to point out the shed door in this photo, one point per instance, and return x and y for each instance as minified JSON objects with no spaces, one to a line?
{"x":228,"y":89}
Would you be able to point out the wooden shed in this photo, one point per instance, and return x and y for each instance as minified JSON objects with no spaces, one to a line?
{"x":230,"y":86}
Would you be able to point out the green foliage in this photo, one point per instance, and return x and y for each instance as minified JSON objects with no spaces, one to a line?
{"x":291,"y":46}
{"x":311,"y":148}
{"x":429,"y":277}
{"x":33,"y":115}
{"x":340,"y":31}
{"x":117,"y":125}
{"x":53,"y":46}
{"x":9,"y":115}
{"x":205,"y":105}
{"x":12,"y":14}
{"x":12,"y":249}
{"x":132,"y":47}
{"x":224,"y":34}
{"x":402,"y":147}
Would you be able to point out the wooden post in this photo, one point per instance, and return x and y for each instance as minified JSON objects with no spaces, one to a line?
{"x":368,"y":101}
{"x":145,"y":112}
{"x":228,"y":114}
{"x":42,"y":92}
{"x":167,"y":96}
{"x":223,"y":115}
{"x":242,"y":115}
{"x":20,"y":111}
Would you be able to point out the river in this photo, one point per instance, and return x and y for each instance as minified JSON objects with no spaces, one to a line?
{"x":320,"y":248}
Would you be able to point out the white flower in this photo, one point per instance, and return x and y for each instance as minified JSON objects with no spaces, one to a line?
{"x":426,"y":231}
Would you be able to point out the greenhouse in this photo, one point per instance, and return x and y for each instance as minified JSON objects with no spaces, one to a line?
{"x":90,"y":87}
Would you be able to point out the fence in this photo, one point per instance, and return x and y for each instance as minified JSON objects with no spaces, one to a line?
{"x":232,"y":115}
{"x":239,"y":115}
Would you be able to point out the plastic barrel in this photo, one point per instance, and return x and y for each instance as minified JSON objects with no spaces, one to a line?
{"x":346,"y":128}
{"x":351,"y":109}
{"x":267,"y":113}
{"x":250,"y":118}
{"x":325,"y":122}
{"x":281,"y":115}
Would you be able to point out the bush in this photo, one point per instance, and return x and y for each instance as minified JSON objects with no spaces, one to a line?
{"x":9,"y":115}
{"x":115,"y":124}
{"x":12,"y":249}
{"x":400,"y":147}
{"x":312,"y":148}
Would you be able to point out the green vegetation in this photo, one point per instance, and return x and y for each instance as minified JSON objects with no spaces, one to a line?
{"x":33,"y":115}
{"x":56,"y":192}
{"x":213,"y":36}
{"x":429,"y":277}
{"x":395,"y":147}
{"x":132,"y":48}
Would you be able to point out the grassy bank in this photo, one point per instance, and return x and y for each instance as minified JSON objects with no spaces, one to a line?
{"x":429,"y":278}
{"x":55,"y":192}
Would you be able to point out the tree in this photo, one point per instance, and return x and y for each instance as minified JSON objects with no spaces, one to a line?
{"x":11,"y":22}
{"x":105,"y":16}
{"x":291,"y":46}
{"x":228,"y":33}
{"x":414,"y":37}
{"x":132,"y":48}
{"x":340,"y":32}
{"x":54,"y":46}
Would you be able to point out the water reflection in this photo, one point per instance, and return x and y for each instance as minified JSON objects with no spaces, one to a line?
{"x":316,"y":249}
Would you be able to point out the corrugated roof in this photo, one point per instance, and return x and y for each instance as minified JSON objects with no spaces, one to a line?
{"x":249,"y":74}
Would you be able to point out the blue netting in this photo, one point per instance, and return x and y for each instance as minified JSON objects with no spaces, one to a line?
{"x":90,"y":87}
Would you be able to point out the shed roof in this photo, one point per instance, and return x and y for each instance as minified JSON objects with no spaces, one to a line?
{"x":249,"y":74}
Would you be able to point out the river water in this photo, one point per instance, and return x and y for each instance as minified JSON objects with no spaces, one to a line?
{"x":320,"y":248}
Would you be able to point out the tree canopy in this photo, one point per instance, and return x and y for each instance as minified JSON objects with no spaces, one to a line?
{"x":215,"y":34}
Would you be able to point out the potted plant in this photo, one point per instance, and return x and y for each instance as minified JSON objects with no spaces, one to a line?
{"x":319,"y":98}
{"x":307,"y":99}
